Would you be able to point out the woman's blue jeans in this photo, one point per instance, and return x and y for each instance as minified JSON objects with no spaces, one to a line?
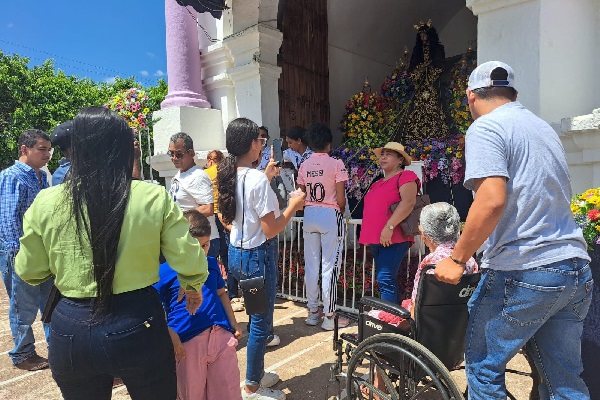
{"x":542,"y":308}
{"x":245,"y":264}
{"x":131,"y":342}
{"x":387,"y":263}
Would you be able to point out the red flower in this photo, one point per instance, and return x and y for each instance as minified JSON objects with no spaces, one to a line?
{"x":593,"y":215}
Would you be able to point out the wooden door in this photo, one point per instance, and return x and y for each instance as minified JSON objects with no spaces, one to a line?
{"x":304,"y":81}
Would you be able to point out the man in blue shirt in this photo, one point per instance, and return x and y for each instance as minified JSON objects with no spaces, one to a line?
{"x":61,"y":137}
{"x":19,"y":184}
{"x":536,"y":283}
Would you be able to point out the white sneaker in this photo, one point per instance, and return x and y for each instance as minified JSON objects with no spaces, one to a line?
{"x":313,"y":318}
{"x":263,"y":394}
{"x":237,"y":305}
{"x":274,"y":342}
{"x":269,"y":379}
{"x":329,"y":322}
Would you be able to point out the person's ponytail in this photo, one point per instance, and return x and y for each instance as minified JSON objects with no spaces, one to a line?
{"x":226,"y":185}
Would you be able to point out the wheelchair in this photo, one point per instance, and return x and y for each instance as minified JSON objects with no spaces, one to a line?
{"x":411,"y":360}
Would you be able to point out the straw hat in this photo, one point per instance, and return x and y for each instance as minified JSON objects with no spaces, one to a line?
{"x":398,"y":148}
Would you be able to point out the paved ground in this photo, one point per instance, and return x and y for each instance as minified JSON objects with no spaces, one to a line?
{"x":302,"y":360}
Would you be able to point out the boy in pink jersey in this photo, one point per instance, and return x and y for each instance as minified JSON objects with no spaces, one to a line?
{"x":322,"y":178}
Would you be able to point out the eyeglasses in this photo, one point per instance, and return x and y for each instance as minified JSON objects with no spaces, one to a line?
{"x":176,"y":154}
{"x":263,"y":141}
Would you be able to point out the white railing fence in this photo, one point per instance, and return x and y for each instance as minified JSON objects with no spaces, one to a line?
{"x":357,"y":274}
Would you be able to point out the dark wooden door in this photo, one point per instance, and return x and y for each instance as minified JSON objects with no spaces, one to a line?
{"x":304,"y":81}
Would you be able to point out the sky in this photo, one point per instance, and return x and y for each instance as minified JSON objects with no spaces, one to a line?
{"x":97,"y":40}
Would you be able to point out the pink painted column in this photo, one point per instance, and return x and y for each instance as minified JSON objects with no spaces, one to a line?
{"x":183,"y":59}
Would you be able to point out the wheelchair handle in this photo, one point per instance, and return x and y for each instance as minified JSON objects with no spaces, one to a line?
{"x":385,"y":305}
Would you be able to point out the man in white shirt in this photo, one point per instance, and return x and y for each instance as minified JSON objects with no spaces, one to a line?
{"x":191,"y":187}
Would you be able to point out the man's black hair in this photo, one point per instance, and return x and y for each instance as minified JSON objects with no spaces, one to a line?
{"x":318,"y":136}
{"x":30,"y":137}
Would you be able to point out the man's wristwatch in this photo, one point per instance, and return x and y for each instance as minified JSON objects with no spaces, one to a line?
{"x":464,"y":264}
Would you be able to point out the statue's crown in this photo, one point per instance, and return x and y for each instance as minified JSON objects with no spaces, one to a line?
{"x":423,"y":24}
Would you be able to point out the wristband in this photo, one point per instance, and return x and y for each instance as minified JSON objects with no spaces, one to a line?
{"x":464,"y":264}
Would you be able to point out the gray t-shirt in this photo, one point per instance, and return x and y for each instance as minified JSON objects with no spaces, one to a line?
{"x":537,"y":226}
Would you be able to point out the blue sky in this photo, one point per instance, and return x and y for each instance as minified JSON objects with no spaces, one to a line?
{"x":97,"y":40}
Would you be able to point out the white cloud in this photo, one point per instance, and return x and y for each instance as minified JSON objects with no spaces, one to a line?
{"x":111,"y":79}
{"x":144,"y":73}
{"x":159,"y":73}
{"x":10,"y":25}
{"x":150,"y":54}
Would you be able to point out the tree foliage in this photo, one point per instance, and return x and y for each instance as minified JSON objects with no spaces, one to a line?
{"x":41,"y":97}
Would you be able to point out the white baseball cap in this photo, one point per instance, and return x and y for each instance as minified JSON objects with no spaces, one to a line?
{"x":481,"y":76}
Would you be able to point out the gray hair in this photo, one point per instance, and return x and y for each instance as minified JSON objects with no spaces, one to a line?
{"x":441,"y":222}
{"x":188,"y":143}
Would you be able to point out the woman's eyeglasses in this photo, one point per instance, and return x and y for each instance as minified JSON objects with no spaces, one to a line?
{"x":263,"y":141}
{"x":177,"y":154}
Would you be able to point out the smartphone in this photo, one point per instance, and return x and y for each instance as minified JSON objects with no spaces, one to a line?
{"x":278,"y":151}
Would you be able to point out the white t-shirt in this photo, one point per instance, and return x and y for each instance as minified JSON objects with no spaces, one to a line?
{"x":192,"y":188}
{"x":296,"y":158}
{"x":259,"y":200}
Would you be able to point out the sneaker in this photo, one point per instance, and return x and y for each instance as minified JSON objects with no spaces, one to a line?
{"x":237,"y":305}
{"x":33,"y":363}
{"x":263,"y":394}
{"x":313,"y":318}
{"x":269,"y":379}
{"x":329,"y":323}
{"x":274,"y":342}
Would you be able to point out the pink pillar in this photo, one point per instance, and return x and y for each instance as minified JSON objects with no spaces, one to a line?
{"x":183,"y":59}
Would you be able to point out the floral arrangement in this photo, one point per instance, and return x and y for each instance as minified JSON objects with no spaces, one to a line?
{"x":458,"y":106}
{"x":586,"y":209}
{"x":397,"y":85}
{"x":133,"y":105}
{"x":444,"y":158}
{"x":363,"y":121}
{"x":362,"y":167}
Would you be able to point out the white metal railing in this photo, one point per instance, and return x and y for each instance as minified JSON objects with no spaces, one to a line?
{"x":357,"y":273}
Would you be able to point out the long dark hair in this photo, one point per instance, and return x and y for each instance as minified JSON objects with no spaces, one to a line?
{"x":238,"y":140}
{"x":437,"y":53}
{"x":98,"y":189}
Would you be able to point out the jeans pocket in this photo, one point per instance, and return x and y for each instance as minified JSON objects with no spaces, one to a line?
{"x":580,"y":308}
{"x":133,"y":346}
{"x":60,"y":354}
{"x":527,"y":304}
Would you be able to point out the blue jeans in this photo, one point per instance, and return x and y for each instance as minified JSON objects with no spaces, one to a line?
{"x":542,"y":307}
{"x":131,"y":342}
{"x":244,"y":264}
{"x":215,"y":246}
{"x":387,"y":263}
{"x":24,"y":302}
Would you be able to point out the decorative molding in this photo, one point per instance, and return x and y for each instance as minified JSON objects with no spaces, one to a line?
{"x":257,"y":43}
{"x":479,"y":7}
{"x":254,"y":70}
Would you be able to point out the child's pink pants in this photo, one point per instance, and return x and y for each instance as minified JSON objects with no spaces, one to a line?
{"x":210,"y":368}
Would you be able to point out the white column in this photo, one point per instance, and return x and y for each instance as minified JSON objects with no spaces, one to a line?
{"x":255,"y":74}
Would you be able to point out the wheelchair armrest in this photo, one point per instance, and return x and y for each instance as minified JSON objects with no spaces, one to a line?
{"x":385,"y":305}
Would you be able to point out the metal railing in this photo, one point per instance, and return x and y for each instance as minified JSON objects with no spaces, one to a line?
{"x":357,"y":273}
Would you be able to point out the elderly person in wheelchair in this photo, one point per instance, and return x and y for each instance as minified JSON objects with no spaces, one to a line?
{"x":406,"y":351}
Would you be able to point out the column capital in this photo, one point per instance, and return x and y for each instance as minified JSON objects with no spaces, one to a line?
{"x":479,"y":7}
{"x":257,"y":43}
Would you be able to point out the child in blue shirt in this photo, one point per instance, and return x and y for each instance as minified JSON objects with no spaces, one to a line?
{"x":204,"y":343}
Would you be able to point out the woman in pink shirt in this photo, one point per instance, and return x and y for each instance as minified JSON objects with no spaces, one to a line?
{"x":322,"y":178}
{"x":380,"y":228}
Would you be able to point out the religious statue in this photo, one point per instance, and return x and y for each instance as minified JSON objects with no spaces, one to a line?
{"x":426,"y":119}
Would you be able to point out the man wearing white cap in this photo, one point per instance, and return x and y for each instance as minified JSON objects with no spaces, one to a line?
{"x":536,"y":283}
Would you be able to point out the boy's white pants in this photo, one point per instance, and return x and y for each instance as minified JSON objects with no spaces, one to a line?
{"x":324,"y":229}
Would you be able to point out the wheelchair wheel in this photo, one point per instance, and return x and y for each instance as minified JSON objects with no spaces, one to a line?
{"x":394,"y":367}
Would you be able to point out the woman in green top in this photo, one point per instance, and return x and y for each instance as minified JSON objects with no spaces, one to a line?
{"x":100,"y":235}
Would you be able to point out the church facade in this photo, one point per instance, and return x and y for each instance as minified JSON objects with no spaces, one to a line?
{"x":291,"y":62}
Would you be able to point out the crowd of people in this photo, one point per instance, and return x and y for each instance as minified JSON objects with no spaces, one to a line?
{"x":131,"y":276}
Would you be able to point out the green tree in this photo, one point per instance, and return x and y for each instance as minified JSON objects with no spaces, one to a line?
{"x":41,"y":97}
